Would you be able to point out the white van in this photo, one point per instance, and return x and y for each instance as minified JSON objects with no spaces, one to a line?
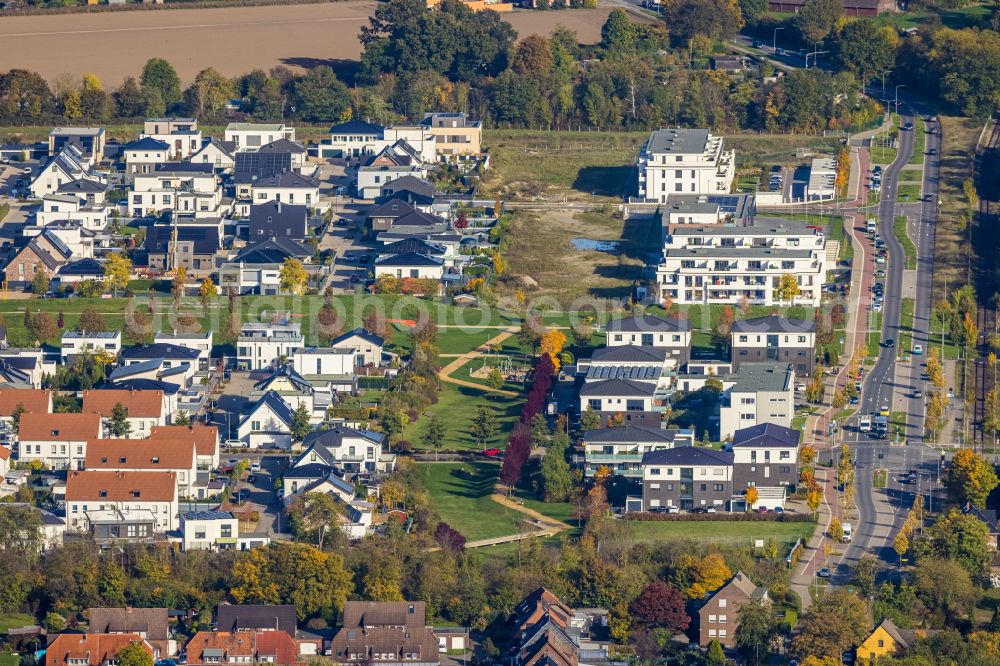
{"x":865,"y":423}
{"x":847,"y":532}
{"x":872,"y":225}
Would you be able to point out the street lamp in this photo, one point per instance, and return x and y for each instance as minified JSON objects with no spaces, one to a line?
{"x":813,"y":54}
{"x":774,"y":42}
{"x":896,"y":107}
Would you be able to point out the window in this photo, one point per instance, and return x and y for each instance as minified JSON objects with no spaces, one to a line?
{"x":717,"y":487}
{"x":711,"y":619}
{"x":723,"y":633}
{"x":723,"y":618}
{"x":881,"y":643}
{"x":199,"y":535}
{"x":655,"y":471}
{"x":711,"y":633}
{"x":722,"y":603}
{"x":255,"y":425}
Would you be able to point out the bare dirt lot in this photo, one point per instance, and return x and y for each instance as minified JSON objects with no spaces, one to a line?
{"x":234,"y":40}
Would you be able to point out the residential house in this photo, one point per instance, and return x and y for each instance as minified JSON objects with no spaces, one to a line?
{"x":886,"y":640}
{"x":691,"y":161}
{"x":220,"y":154}
{"x":368,"y":347}
{"x":91,"y":649}
{"x":176,"y":362}
{"x":775,"y":339}
{"x":456,"y":135}
{"x":337,"y":361}
{"x":90,"y":141}
{"x":201,"y":342}
{"x":352,"y":139}
{"x":251,"y":167}
{"x":150,"y":455}
{"x":738,"y":209}
{"x":183,"y":187}
{"x":181,"y":135}
{"x":296,"y":151}
{"x":22,"y":367}
{"x":5,"y":454}
{"x":636,"y":402}
{"x":851,"y":7}
{"x":385,"y":167}
{"x":64,"y":167}
{"x":76,"y":207}
{"x":757,"y":393}
{"x":37,"y":401}
{"x":256,"y":269}
{"x":644,"y":330}
{"x":727,"y":264}
{"x":766,"y":456}
{"x":290,"y":188}
{"x":410,"y":265}
{"x":634,"y":362}
{"x":264,"y":344}
{"x":79,"y":271}
{"x":44,"y":253}
{"x":316,"y":478}
{"x":293,"y":389}
{"x":352,"y":450}
{"x":250,"y":137}
{"x":417,"y":141}
{"x":72,"y":233}
{"x":621,"y":449}
{"x":719,"y":615}
{"x":142,"y":155}
{"x":211,"y":648}
{"x":144,"y":409}
{"x":415,"y":191}
{"x":150,"y":624}
{"x":121,"y":505}
{"x":216,"y":530}
{"x":92,"y":193}
{"x":267,"y":424}
{"x":75,"y":343}
{"x":195,"y":245}
{"x":58,"y":441}
{"x":687,"y":477}
{"x":206,"y":441}
{"x":387,"y":632}
{"x":256,"y":617}
{"x":274,"y":219}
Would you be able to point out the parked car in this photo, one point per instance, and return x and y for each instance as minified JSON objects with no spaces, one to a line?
{"x":823,"y":573}
{"x":673,"y":509}
{"x":491,"y":453}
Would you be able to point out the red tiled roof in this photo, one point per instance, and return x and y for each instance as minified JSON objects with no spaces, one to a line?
{"x":159,"y":453}
{"x":34,"y":400}
{"x":97,"y":649}
{"x":206,"y":438}
{"x":59,"y":427}
{"x":140,"y":404}
{"x":94,"y":485}
{"x":255,"y":644}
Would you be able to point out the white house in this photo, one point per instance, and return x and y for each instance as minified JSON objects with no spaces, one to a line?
{"x":74,"y":343}
{"x":218,"y":153}
{"x":289,"y":187}
{"x":612,"y":396}
{"x":150,"y":455}
{"x":182,"y":187}
{"x":645,"y":330}
{"x":410,"y":265}
{"x":201,"y":342}
{"x":142,"y":155}
{"x":323,"y":361}
{"x":263,"y":344}
{"x":76,"y":238}
{"x":352,"y":139}
{"x":349,"y":449}
{"x":136,"y":497}
{"x":367,"y":347}
{"x":57,"y":441}
{"x":267,"y":424}
{"x":250,"y":137}
{"x":65,"y":167}
{"x":684,"y":161}
{"x":757,"y":393}
{"x":707,"y":209}
{"x":308,"y":479}
{"x":621,"y":449}
{"x":206,"y":441}
{"x":725,"y":264}
{"x":25,"y":399}
{"x":371,"y":178}
{"x":181,"y":135}
{"x":216,"y":530}
{"x":144,"y":409}
{"x":72,"y":207}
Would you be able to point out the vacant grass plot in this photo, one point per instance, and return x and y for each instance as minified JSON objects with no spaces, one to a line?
{"x":908,"y":192}
{"x":719,"y":532}
{"x":919,"y":141}
{"x":457,"y":406}
{"x":460,"y":493}
{"x":951,"y":247}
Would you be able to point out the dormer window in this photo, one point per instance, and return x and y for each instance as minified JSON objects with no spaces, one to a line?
{"x":55,"y":433}
{"x":156,"y":460}
{"x":135,"y":493}
{"x":102,"y":493}
{"x":122,"y":459}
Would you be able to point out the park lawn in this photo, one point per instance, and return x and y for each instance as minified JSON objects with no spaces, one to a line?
{"x":10,"y":621}
{"x":949,"y":350}
{"x":911,"y":175}
{"x":906,"y":309}
{"x":919,"y":141}
{"x":457,"y":407}
{"x":719,"y":532}
{"x":460,"y":494}
{"x":464,"y":371}
{"x":909,"y":249}
{"x":908,"y":192}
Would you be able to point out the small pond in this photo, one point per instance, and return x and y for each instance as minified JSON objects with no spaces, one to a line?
{"x":598,"y":245}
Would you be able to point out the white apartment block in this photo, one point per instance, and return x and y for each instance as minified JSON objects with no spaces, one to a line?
{"x":263,"y":344}
{"x":202,"y":342}
{"x":130,"y":497}
{"x":181,"y":190}
{"x":90,"y":342}
{"x":684,"y":161}
{"x":757,"y":393}
{"x":250,"y":137}
{"x":724,"y":264}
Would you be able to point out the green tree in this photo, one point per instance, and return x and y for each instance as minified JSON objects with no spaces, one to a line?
{"x":160,"y":75}
{"x":40,"y":283}
{"x":318,"y":518}
{"x":557,"y":479}
{"x":209,"y":93}
{"x":715,"y":656}
{"x":945,"y":588}
{"x":484,"y":425}
{"x":590,"y":420}
{"x":495,"y":379}
{"x":754,"y":630}
{"x":319,"y":96}
{"x":182,"y":418}
{"x":91,"y":321}
{"x":752,"y":10}
{"x":970,"y":478}
{"x":837,"y":621}
{"x":959,"y":537}
{"x":865,"y":48}
{"x":434,"y":435}
{"x":54,"y":622}
{"x":111,"y":585}
{"x":135,"y":654}
{"x":15,"y":417}
{"x":687,"y":19}
{"x":300,"y":425}
{"x":817,"y":18}
{"x":118,"y":424}
{"x":618,"y":32}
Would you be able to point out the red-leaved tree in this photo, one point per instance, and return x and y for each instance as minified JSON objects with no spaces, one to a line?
{"x":661,"y":605}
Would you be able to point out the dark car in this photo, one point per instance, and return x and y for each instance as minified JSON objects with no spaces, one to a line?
{"x":932,"y":151}
{"x":823,"y":573}
{"x":888,"y":344}
{"x":907,"y":127}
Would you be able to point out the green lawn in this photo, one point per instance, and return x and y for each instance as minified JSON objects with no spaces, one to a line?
{"x":460,"y":493}
{"x":14,"y":620}
{"x":964,"y":17}
{"x":910,"y":250}
{"x":908,"y":192}
{"x":906,"y":309}
{"x":910,"y":175}
{"x":883,"y":150}
{"x":457,"y":406}
{"x":734,"y":533}
{"x":919,"y":141}
{"x":9,"y":659}
{"x":874,"y":333}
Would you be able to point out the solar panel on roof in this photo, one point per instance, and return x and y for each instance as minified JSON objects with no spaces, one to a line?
{"x":623,"y":372}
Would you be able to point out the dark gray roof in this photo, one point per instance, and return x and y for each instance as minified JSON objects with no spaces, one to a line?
{"x":617,"y":387}
{"x":276,"y":219}
{"x":205,"y":238}
{"x":648,"y":324}
{"x":146,"y":143}
{"x":183,"y":167}
{"x":766,"y":435}
{"x":82,"y":186}
{"x":250,"y":167}
{"x":276,"y":404}
{"x":408,"y":245}
{"x":227,"y":147}
{"x":207,"y":515}
{"x":361,"y":333}
{"x":282,"y":145}
{"x":356,"y":127}
{"x":628,"y":434}
{"x":773,"y":324}
{"x":417,"y":219}
{"x":681,"y":141}
{"x":393,"y":208}
{"x":288,"y":179}
{"x":88,"y":266}
{"x":409,"y":259}
{"x":630,"y":354}
{"x":273,"y":251}
{"x":143,"y":385}
{"x":761,"y":377}
{"x":160,"y":350}
{"x":409,"y":184}
{"x":334,"y":437}
{"x":230,"y":617}
{"x":688,"y":455}
{"x":309,"y":471}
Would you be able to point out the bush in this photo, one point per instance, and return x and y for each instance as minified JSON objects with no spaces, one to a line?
{"x":373,"y":382}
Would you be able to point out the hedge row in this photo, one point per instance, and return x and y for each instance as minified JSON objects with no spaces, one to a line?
{"x":724,"y":517}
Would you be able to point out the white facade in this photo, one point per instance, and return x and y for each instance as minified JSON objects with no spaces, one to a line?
{"x":650,"y":339}
{"x":57,"y":207}
{"x":129,"y":506}
{"x":56,"y":454}
{"x":753,"y":399}
{"x":143,"y":160}
{"x":212,"y":154}
{"x":684,"y":161}
{"x":302,"y":196}
{"x":263,"y":345}
{"x":249,"y":137}
{"x":414,"y":271}
{"x":727,"y":264}
{"x":184,"y":192}
{"x":371,"y":179}
{"x":81,"y":244}
{"x":199,"y":341}
{"x":323,"y":361}
{"x":266,"y":426}
{"x":367,"y":352}
{"x":90,"y":342}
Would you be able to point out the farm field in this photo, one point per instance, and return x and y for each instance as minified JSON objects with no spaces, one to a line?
{"x":234,"y":40}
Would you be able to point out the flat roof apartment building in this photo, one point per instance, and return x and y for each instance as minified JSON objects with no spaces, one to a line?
{"x":684,"y":161}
